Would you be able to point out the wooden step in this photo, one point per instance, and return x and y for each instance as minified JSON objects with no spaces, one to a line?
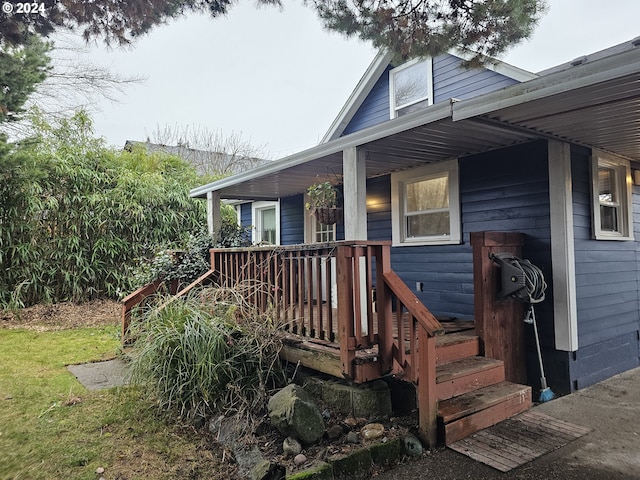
{"x":463,"y":376}
{"x":456,"y":346}
{"x":464,"y":415}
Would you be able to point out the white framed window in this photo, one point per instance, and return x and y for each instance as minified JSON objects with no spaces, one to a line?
{"x":612,"y":207}
{"x":265,"y":217}
{"x":425,"y":205}
{"x":410,"y":87}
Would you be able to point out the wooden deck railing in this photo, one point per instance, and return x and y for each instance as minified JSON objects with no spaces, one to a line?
{"x":325,"y":292}
{"x":341,"y":293}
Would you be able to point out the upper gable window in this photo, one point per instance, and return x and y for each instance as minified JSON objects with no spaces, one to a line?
{"x":612,"y":212}
{"x":411,"y":87}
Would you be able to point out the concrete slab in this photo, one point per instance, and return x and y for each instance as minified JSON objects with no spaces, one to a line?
{"x":100,"y":375}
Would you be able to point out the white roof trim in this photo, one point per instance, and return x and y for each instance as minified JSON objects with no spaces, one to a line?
{"x":376,"y":132}
{"x":584,"y":75}
{"x":364,"y":86}
{"x":500,"y":67}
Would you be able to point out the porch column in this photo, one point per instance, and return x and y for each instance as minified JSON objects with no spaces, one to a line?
{"x":355,"y":193}
{"x":565,"y":313}
{"x":214,"y":218}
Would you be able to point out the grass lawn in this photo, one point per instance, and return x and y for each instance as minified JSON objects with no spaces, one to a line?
{"x":51,"y":427}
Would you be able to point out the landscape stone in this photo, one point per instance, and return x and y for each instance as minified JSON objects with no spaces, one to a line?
{"x":371,"y":431}
{"x":357,"y":465}
{"x":412,"y":446}
{"x":353,"y":437}
{"x":294,"y":413}
{"x":291,"y":447}
{"x":335,"y":431}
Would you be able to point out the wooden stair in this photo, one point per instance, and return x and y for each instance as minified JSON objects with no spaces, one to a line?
{"x":472,"y":391}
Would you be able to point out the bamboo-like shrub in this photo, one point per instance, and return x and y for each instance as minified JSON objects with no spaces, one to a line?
{"x":77,"y":216}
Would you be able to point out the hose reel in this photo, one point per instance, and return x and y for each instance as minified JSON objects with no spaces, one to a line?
{"x":521,"y":279}
{"x":524,"y":281}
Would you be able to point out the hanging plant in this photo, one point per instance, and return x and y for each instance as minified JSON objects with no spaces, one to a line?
{"x":323,"y":203}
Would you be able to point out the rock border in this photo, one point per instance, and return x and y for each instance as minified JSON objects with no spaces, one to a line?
{"x":357,"y":465}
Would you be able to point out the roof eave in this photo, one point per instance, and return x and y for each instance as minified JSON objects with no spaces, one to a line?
{"x":414,"y":119}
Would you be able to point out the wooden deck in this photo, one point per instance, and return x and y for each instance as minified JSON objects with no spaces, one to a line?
{"x":345,"y":312}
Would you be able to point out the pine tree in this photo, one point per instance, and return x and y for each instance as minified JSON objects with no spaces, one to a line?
{"x":21,"y":69}
{"x":409,"y":28}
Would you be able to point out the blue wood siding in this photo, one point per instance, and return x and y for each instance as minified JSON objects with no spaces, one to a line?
{"x":374,"y":109}
{"x":507,"y":191}
{"x":452,"y":80}
{"x":292,"y":213}
{"x":245,"y":215}
{"x":379,"y":208}
{"x":607,"y":294}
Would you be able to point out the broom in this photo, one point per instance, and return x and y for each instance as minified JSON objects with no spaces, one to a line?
{"x":545,"y":393}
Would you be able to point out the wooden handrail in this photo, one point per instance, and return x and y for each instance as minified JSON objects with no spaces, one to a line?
{"x":134,"y":299}
{"x":413,"y":304}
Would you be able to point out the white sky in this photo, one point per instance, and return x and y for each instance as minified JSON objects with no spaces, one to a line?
{"x":279,"y":79}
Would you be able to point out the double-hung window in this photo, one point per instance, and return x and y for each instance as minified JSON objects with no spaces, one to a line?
{"x":410,"y":87}
{"x":612,"y":207}
{"x":425,"y":205}
{"x":266,"y":222}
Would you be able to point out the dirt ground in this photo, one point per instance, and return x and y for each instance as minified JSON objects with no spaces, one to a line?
{"x":63,"y":316}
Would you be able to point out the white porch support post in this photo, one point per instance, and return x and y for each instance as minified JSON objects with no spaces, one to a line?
{"x":214,"y":217}
{"x":562,"y":247}
{"x":355,"y":214}
{"x":355,"y":194}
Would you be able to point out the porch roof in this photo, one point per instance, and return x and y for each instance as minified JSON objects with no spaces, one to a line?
{"x":595,"y":103}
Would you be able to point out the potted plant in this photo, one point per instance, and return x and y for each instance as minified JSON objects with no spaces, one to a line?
{"x":323,"y":202}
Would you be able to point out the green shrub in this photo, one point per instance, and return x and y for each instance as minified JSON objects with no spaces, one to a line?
{"x":77,"y":216}
{"x":207,"y":354}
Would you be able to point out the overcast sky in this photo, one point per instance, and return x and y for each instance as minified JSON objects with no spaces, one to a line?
{"x":279,"y":79}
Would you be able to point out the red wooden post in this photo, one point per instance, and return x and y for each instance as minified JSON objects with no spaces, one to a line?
{"x":427,"y":394}
{"x":383,"y":309}
{"x":499,"y":323}
{"x":344,"y":273}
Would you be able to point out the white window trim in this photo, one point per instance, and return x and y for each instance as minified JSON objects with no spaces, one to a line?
{"x":624,"y":186}
{"x":398,"y":181}
{"x":392,"y":94}
{"x":256,"y":207}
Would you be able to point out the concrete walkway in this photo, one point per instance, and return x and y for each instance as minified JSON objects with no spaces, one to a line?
{"x":611,"y":450}
{"x":100,"y":375}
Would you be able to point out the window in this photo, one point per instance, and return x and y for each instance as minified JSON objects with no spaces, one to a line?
{"x":410,"y":87}
{"x":612,"y":210}
{"x":266,"y":222}
{"x":425,"y":206}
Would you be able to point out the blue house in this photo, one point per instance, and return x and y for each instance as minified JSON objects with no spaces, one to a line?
{"x":428,"y":153}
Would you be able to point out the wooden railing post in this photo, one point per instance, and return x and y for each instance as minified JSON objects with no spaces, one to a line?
{"x":384,"y":309}
{"x":427,"y":394}
{"x":344,"y":267}
{"x":499,"y":324}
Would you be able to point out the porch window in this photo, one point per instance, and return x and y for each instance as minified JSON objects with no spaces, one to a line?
{"x":425,"y":205}
{"x":323,"y":233}
{"x":612,"y":211}
{"x":266,"y":221}
{"x":410,"y":87}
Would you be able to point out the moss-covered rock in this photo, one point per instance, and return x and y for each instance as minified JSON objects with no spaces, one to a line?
{"x":294,"y":413}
